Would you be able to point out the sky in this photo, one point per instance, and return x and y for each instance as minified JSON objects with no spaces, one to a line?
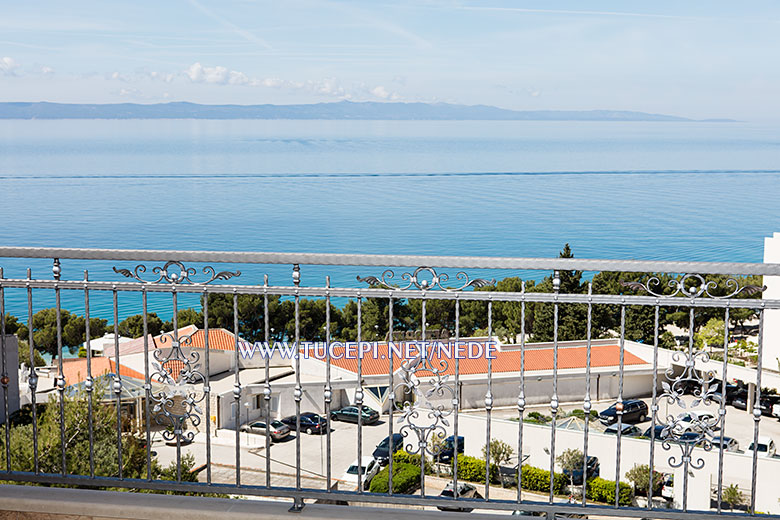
{"x":700,"y":59}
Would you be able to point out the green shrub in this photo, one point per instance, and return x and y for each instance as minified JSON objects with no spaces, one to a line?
{"x":473,"y":469}
{"x":406,"y":479}
{"x":537,"y":418}
{"x":537,"y":479}
{"x":640,"y":476}
{"x":403,"y":457}
{"x":602,"y":490}
{"x":580,"y":413}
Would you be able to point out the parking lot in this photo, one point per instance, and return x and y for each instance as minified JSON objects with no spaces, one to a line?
{"x":739,"y":423}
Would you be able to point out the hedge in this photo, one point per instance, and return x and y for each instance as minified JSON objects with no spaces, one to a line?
{"x":536,"y":479}
{"x":403,"y":457}
{"x":406,"y":479}
{"x":602,"y":490}
{"x":473,"y":469}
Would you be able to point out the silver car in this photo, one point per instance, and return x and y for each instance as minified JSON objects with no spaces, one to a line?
{"x":278,"y":429}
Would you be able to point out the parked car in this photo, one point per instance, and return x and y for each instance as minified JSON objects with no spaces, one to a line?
{"x":776,"y":410}
{"x":350,"y":414}
{"x":667,"y":491}
{"x":311,"y":423}
{"x":730,"y":390}
{"x":693,"y":422}
{"x":382,"y":451}
{"x":740,"y":400}
{"x":627,"y":430}
{"x":634,"y":411}
{"x":278,"y":429}
{"x":766,"y":447}
{"x":660,"y":434}
{"x":765,"y":404}
{"x":448,"y":449}
{"x":594,"y":469}
{"x":729,"y":443}
{"x":465,"y":490}
{"x":368,"y":470}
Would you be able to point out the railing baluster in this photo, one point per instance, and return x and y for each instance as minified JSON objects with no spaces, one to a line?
{"x":89,"y":381}
{"x":359,"y":396}
{"x":691,"y":328}
{"x":620,"y":402}
{"x":172,"y":373}
{"x":390,"y":395}
{"x":653,"y":408}
{"x":60,"y":374}
{"x":586,"y":405}
{"x":237,"y":391}
{"x":488,"y":402}
{"x":424,"y":352}
{"x":554,"y":399}
{"x":207,"y":383}
{"x":298,"y":392}
{"x":118,"y":389}
{"x":757,"y":410}
{"x":328,"y":395}
{"x":267,"y":388}
{"x":33,"y":379}
{"x":456,"y":402}
{"x":147,"y":384}
{"x":521,"y":399}
{"x":4,"y":380}
{"x":722,"y":407}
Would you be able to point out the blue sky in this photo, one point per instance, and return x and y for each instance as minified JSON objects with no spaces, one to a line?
{"x":695,"y":58}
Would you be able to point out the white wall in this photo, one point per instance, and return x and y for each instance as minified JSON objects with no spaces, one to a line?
{"x":737,"y":467}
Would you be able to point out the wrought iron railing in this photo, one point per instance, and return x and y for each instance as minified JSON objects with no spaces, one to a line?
{"x":425,"y":401}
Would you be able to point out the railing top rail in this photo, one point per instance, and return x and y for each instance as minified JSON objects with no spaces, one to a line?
{"x":453,"y":262}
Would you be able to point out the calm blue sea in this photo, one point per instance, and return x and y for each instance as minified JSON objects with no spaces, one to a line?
{"x":676,"y":191}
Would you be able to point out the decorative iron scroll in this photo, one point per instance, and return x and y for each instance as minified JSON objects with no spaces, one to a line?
{"x":693,"y":427}
{"x":420,"y":404}
{"x":178,"y":372}
{"x":424,"y":284}
{"x":694,"y":290}
{"x":167,"y":275}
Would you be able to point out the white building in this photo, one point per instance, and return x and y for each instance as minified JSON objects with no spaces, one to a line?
{"x":771,"y":357}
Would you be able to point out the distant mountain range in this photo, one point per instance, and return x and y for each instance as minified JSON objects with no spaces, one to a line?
{"x":339,"y":110}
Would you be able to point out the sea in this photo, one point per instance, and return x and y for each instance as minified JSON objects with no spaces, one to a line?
{"x":700,"y":191}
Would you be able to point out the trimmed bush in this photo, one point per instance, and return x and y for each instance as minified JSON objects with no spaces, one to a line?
{"x":536,"y":479}
{"x":406,"y":479}
{"x":473,"y":469}
{"x":403,"y":457}
{"x":537,"y":418}
{"x":602,"y":490}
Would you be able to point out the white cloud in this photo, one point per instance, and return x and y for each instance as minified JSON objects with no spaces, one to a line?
{"x":331,"y":87}
{"x":8,"y":66}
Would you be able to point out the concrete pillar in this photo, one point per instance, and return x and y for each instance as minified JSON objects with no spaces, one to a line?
{"x":11,"y":345}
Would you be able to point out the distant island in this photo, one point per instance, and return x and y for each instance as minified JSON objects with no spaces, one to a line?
{"x":346,"y":110}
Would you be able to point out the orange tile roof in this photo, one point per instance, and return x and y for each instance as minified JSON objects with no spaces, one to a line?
{"x":505,"y":361}
{"x":75,"y":370}
{"x":219,"y":339}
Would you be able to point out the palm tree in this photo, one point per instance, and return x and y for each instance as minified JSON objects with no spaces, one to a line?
{"x":733,"y":496}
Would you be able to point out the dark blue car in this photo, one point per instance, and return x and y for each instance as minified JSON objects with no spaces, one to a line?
{"x":448,"y":449}
{"x":382,"y":452}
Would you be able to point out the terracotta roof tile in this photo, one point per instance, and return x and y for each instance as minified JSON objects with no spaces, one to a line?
{"x":505,"y":361}
{"x":75,"y":370}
